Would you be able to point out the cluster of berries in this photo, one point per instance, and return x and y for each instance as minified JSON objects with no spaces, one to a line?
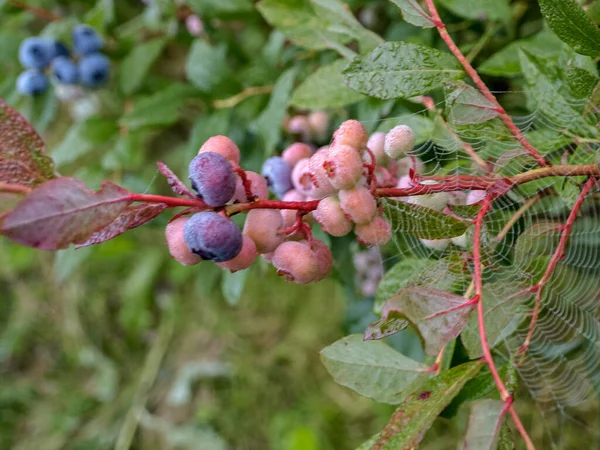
{"x":87,"y":66}
{"x":309,"y":127}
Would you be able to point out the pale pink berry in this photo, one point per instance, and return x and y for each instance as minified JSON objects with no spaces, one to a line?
{"x":318,"y":174}
{"x":344,"y":166}
{"x":376,"y":232}
{"x":403,"y":165}
{"x":319,"y":123}
{"x":358,"y":204}
{"x":290,"y":215}
{"x":296,"y":152}
{"x":437,"y":201}
{"x":299,"y":125}
{"x":177,"y":246}
{"x":436,"y":244}
{"x":262,"y":226}
{"x":296,"y":262}
{"x":376,"y":144}
{"x":457,"y":198}
{"x":404,"y":182}
{"x":245,"y":257}
{"x":332,"y":219}
{"x":223,"y":146}
{"x":324,"y":259}
{"x":475,"y":197}
{"x":268,"y":257}
{"x":351,"y":133}
{"x":301,"y":177}
{"x":194,"y":25}
{"x":258,"y":186}
{"x":399,"y":141}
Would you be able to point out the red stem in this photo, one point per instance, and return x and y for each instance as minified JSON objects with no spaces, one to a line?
{"x":558,"y":255}
{"x":14,"y":188}
{"x":439,"y":24}
{"x":246,"y":183}
{"x":39,"y":12}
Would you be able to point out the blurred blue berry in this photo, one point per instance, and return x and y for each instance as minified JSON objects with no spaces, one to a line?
{"x":65,"y":70}
{"x":32,"y":82}
{"x":212,"y":236}
{"x":59,"y":48}
{"x":35,"y":53}
{"x":278,"y":174}
{"x":213,"y":178}
{"x":94,"y":70}
{"x":86,"y":40}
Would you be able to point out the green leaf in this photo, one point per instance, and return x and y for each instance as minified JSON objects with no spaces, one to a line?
{"x":467,"y":105}
{"x":484,"y":425}
{"x":544,"y":85}
{"x":423,"y":222}
{"x":325,"y":88}
{"x":413,"y":13}
{"x":219,"y":7}
{"x":570,"y":23}
{"x":338,"y":13}
{"x":84,"y":137}
{"x":400,"y":70}
{"x":412,"y":419}
{"x":232,"y":286}
{"x":501,"y":315}
{"x":137,"y":63}
{"x":422,"y":126}
{"x":373,"y":369}
{"x":267,"y":125}
{"x":23,"y":159}
{"x":206,"y":66}
{"x":160,"y":109}
{"x":505,"y":63}
{"x":582,"y":81}
{"x":390,"y":323}
{"x":480,"y":9}
{"x":439,"y":316}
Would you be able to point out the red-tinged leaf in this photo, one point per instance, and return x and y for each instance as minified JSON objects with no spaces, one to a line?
{"x":63,"y":211}
{"x":22,"y":157}
{"x":439,"y":316}
{"x":131,"y":217}
{"x":390,"y":323}
{"x":176,"y":184}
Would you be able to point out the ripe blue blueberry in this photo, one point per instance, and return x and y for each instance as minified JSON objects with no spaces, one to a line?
{"x":32,"y":82}
{"x":94,"y":70}
{"x":213,"y":178}
{"x":65,"y":70}
{"x":212,"y":236}
{"x":278,"y":174}
{"x":59,"y":48}
{"x":86,"y":40}
{"x":35,"y":53}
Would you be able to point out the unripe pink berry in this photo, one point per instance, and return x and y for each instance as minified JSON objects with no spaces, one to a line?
{"x":301,"y":177}
{"x":376,"y":144}
{"x":404,"y":182}
{"x":324,"y":259}
{"x":318,"y":174}
{"x":351,"y":133}
{"x":344,"y":166}
{"x":403,"y":165}
{"x":290,"y":215}
{"x":376,"y":232}
{"x":319,"y":123}
{"x":436,"y":244}
{"x":296,"y":262}
{"x":332,"y":219}
{"x":258,"y":186}
{"x":399,"y":141}
{"x":457,"y":198}
{"x":437,"y":201}
{"x":475,"y":197}
{"x":268,"y":257}
{"x":194,"y":25}
{"x":223,"y":146}
{"x":262,"y":226}
{"x":177,"y":246}
{"x":244,"y":259}
{"x":358,"y":204}
{"x":299,"y":125}
{"x":296,"y":152}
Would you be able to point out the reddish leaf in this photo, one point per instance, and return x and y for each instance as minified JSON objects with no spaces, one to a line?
{"x":439,"y":316}
{"x":63,"y":211}
{"x":22,"y":157}
{"x":176,"y":184}
{"x":390,"y":323}
{"x":131,"y":217}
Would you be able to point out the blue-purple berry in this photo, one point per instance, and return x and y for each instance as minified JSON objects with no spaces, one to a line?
{"x":65,"y":70}
{"x":86,"y":40}
{"x":35,"y":53}
{"x":212,"y":178}
{"x":59,"y":48}
{"x":278,"y":174}
{"x":32,"y":82}
{"x":94,"y":70}
{"x":212,"y":236}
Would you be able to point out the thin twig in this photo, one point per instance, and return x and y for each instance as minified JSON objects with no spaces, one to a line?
{"x":516,"y":216}
{"x":14,"y":188}
{"x":39,"y":12}
{"x":241,"y":96}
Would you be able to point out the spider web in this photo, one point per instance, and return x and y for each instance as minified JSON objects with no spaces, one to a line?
{"x":561,"y":369}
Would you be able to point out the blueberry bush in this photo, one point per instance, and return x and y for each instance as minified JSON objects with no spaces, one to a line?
{"x":391,"y":210}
